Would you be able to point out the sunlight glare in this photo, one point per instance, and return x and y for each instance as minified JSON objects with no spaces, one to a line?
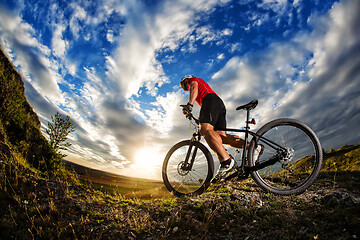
{"x":148,"y":158}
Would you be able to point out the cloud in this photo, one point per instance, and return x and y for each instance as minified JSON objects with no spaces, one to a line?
{"x":207,"y":35}
{"x":134,"y":63}
{"x":314,"y":77}
{"x":30,"y":54}
{"x":59,"y":45}
{"x":77,"y":19}
{"x":220,"y":56}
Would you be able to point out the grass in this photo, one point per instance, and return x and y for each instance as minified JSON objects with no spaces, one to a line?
{"x":41,"y":208}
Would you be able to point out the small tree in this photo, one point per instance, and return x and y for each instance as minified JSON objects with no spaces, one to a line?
{"x":58,"y":130}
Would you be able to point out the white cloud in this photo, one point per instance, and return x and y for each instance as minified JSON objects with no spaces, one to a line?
{"x":79,"y":152}
{"x":31,"y":55}
{"x":279,"y":6}
{"x":110,"y":36}
{"x":77,"y":19}
{"x":59,"y":44}
{"x":206,"y":34}
{"x":134,"y":63}
{"x":220,"y":56}
{"x":227,"y":32}
{"x":315,"y":90}
{"x":93,"y":90}
{"x":162,"y":118}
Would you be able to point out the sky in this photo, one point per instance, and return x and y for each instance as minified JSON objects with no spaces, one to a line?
{"x":114,"y":67}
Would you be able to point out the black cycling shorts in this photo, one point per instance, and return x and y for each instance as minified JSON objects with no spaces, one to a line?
{"x":213,"y":111}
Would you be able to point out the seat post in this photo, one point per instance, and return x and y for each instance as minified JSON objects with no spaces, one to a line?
{"x":244,"y":157}
{"x":247,"y":119}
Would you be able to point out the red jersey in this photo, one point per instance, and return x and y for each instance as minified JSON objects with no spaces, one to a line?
{"x":203,"y":89}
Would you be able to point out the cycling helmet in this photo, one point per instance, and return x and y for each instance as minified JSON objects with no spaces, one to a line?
{"x":183,"y":82}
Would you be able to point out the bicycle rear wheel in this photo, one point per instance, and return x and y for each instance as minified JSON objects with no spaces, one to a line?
{"x":296,"y":167}
{"x":181,"y":180}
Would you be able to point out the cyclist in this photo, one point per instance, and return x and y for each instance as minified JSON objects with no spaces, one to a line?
{"x":212,"y":117}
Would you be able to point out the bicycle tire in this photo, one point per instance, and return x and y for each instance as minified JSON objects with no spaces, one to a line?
{"x":189,"y":183}
{"x":295,"y":173}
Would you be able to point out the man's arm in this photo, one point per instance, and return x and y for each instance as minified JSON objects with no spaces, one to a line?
{"x":193,"y":92}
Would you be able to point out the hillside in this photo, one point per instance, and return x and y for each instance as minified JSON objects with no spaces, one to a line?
{"x":19,"y":124}
{"x":58,"y":209}
{"x":40,"y":200}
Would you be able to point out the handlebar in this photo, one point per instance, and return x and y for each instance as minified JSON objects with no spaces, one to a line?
{"x":190,"y":116}
{"x":195,"y":119}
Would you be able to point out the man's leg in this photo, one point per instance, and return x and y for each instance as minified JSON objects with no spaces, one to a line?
{"x":214,"y":141}
{"x":232,"y":140}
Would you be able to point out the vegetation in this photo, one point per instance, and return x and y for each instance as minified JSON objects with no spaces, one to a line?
{"x":41,"y":208}
{"x":58,"y":130}
{"x":19,"y":124}
{"x":41,"y":200}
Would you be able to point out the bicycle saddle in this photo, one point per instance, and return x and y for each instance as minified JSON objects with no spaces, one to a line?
{"x":251,"y":105}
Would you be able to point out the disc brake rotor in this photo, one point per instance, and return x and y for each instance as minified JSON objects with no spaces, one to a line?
{"x":181,"y":169}
{"x":287,"y":157}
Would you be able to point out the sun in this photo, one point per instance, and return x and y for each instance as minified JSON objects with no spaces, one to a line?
{"x":148,"y":158}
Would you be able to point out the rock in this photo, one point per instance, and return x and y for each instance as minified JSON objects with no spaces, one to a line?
{"x":340,"y":200}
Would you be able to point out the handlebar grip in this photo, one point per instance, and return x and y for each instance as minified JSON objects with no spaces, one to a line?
{"x":191,"y":116}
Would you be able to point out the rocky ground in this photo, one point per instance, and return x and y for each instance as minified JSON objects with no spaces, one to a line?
{"x":58,"y":209}
{"x":37,"y":207}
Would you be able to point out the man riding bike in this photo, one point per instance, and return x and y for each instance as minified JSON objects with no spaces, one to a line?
{"x":212,"y":117}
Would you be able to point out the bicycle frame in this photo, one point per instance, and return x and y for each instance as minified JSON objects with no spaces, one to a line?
{"x":283,"y":157}
{"x":243,"y":168}
{"x":247,"y":169}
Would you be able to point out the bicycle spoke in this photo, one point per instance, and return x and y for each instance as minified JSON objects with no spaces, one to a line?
{"x":180,"y":177}
{"x":297,"y":165}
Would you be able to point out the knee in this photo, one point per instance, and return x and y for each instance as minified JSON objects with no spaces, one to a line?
{"x":204,"y":131}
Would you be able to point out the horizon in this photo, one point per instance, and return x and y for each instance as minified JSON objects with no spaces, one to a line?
{"x":114,"y":67}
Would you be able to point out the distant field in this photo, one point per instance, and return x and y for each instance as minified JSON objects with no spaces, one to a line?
{"x":126,"y":186}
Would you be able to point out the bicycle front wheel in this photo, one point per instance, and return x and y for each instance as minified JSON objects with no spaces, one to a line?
{"x":298,"y":163}
{"x":179,"y":178}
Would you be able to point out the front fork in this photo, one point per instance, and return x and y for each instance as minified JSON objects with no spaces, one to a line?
{"x":190,"y":158}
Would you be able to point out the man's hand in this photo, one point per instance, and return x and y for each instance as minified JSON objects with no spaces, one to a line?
{"x":187,"y":109}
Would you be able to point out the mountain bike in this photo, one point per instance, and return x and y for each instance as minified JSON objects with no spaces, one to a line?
{"x":289,"y":163}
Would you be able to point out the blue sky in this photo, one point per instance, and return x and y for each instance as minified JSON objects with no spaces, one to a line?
{"x":114,"y":68}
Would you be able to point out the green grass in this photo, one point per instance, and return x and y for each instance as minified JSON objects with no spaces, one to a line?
{"x":42,"y":208}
